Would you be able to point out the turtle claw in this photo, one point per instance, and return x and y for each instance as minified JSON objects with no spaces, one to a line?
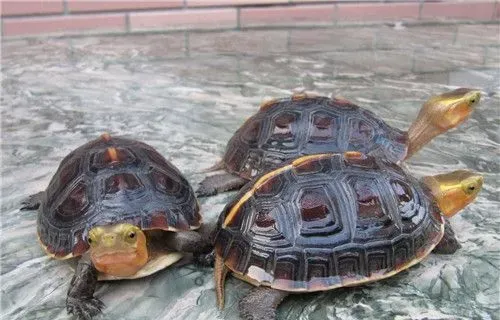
{"x":84,"y":309}
{"x":32,"y":202}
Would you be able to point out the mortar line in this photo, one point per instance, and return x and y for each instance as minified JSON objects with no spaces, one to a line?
{"x":65,"y":7}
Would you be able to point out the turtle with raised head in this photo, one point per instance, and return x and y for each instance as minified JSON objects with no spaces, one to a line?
{"x":333,"y":220}
{"x":123,"y":209}
{"x":285,"y":129}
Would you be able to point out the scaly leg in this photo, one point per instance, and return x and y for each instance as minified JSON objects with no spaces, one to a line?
{"x":261,"y":303}
{"x":221,"y":182}
{"x":449,"y":243}
{"x":195,"y":241}
{"x":33,"y":201}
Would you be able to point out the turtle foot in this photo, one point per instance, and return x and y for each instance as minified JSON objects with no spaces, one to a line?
{"x":205,"y":260}
{"x":84,"y":309}
{"x":32,"y":202}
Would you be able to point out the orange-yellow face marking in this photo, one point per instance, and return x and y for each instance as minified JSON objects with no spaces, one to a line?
{"x":119,"y":250}
{"x":105,"y":136}
{"x":265,"y":178}
{"x":111,"y":155}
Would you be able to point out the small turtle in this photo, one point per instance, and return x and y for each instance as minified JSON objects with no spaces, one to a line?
{"x":333,"y":220}
{"x":121,"y":206}
{"x":302,"y":125}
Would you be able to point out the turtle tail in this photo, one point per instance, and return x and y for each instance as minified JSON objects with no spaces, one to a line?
{"x":220,"y":274}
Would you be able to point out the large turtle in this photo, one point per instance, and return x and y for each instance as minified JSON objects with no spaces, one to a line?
{"x":333,"y":220}
{"x":121,"y":206}
{"x":284,"y":129}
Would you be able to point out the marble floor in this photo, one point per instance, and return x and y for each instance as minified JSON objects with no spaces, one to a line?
{"x":186,"y":93}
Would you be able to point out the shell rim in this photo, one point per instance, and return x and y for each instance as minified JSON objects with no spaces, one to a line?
{"x":347,"y":283}
{"x":72,"y":255}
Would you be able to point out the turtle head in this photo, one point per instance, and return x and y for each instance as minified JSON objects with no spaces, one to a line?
{"x":455,"y":190}
{"x":441,"y":113}
{"x":118,"y":250}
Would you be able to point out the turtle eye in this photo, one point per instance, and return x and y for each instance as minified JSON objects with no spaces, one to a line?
{"x":470,"y":188}
{"x":91,"y":240}
{"x":131,"y":236}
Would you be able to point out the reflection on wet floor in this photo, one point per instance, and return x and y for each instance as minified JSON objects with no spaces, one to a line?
{"x":186,"y":93}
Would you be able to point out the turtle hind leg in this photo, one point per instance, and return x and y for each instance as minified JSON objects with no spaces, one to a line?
{"x":261,"y":303}
{"x":217,"y":183}
{"x":449,"y":243}
{"x":205,"y":259}
{"x":32,"y":202}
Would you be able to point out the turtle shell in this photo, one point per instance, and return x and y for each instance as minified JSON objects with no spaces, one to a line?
{"x":327,"y":221}
{"x":302,"y":125}
{"x":109,"y":181}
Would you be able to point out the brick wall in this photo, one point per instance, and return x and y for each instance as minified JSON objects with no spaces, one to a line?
{"x":63,"y":17}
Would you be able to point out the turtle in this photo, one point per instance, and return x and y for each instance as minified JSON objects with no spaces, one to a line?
{"x":123,"y":209}
{"x":333,"y":220}
{"x":304,"y":124}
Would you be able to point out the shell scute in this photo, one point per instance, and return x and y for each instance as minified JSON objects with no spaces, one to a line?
{"x":111,"y":157}
{"x":350,"y":263}
{"x":317,"y":212}
{"x":379,"y":260}
{"x":271,"y":187}
{"x":252,"y":132}
{"x":289,"y":268}
{"x":324,"y":127}
{"x":361,"y":133}
{"x":120,"y":182}
{"x":285,"y":132}
{"x":75,"y":203}
{"x":402,"y":251}
{"x":164,"y":182}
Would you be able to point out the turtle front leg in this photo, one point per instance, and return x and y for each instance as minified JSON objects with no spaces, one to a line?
{"x":32,"y":202}
{"x":205,"y":259}
{"x":80,"y":300}
{"x":221,"y":182}
{"x":261,"y":303}
{"x":449,"y":243}
{"x":192,"y":242}
{"x":188,"y":241}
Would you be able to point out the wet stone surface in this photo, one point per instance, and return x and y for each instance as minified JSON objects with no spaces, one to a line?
{"x":185,"y":94}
